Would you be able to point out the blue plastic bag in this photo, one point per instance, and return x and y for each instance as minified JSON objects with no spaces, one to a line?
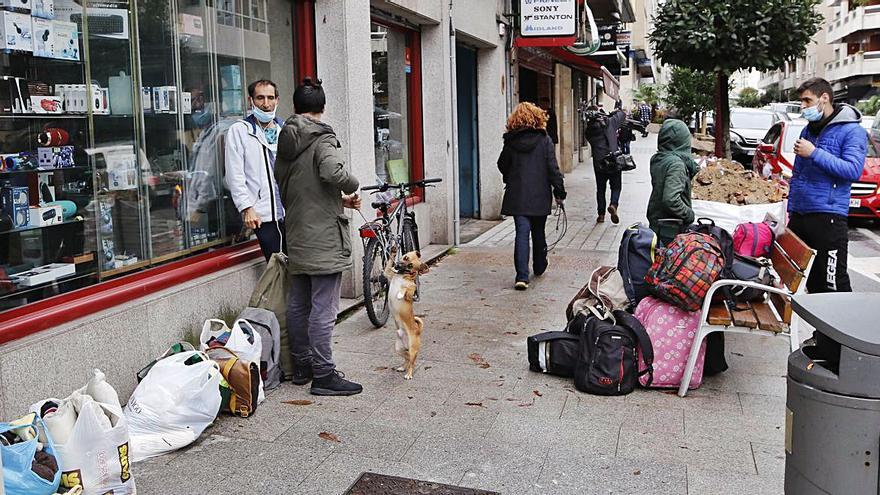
{"x":18,"y":478}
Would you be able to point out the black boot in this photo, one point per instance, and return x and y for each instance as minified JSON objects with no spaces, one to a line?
{"x":301,"y":374}
{"x":335,"y":384}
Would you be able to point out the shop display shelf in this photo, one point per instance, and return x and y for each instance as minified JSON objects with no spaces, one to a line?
{"x":36,"y":227}
{"x":50,"y":116}
{"x":44,"y":171}
{"x":25,"y":291}
{"x":125,"y":269}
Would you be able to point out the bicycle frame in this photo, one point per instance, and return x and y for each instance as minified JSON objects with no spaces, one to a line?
{"x":385,"y":233}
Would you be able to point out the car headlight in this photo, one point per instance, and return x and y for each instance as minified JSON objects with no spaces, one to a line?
{"x":736,"y":138}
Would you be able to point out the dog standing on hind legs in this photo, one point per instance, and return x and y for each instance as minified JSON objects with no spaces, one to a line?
{"x":401,"y":292}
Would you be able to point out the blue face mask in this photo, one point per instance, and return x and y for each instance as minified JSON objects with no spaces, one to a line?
{"x":812,"y":114}
{"x":202,"y":118}
{"x":271,"y":134}
{"x":264,"y":117}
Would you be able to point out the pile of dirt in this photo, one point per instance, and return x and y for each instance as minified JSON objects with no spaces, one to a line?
{"x":727,"y":181}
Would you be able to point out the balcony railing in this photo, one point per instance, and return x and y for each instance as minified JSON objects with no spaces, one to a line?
{"x":859,"y":64}
{"x":857,"y":20}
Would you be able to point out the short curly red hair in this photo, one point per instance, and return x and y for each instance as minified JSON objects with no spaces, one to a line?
{"x":527,"y":116}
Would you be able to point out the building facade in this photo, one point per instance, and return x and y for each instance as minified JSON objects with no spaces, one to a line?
{"x":148,"y":244}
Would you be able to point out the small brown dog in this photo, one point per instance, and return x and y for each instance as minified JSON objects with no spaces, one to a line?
{"x":401,"y":290}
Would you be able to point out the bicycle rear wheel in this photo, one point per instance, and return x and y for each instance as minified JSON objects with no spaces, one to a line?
{"x":375,"y":283}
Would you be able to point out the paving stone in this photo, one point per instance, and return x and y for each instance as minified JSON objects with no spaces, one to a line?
{"x":339,"y":471}
{"x":762,"y":405}
{"x":759,"y":428}
{"x":596,"y":437}
{"x":705,"y":481}
{"x":324,"y":437}
{"x":222,"y":465}
{"x":711,"y":452}
{"x":578,"y":473}
{"x":747,"y":382}
{"x":619,"y":411}
{"x":271,"y":419}
{"x":769,"y":459}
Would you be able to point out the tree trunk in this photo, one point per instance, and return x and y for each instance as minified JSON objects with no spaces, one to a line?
{"x":722,"y":115}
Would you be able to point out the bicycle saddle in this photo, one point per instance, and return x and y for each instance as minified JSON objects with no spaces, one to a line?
{"x":380,"y":205}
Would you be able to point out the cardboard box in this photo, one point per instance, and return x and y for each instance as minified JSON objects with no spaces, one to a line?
{"x":147,"y":99}
{"x":15,"y":31}
{"x":47,"y":104}
{"x":99,"y":100}
{"x":14,"y":202}
{"x":43,"y":8}
{"x":44,"y":274}
{"x":21,"y":5}
{"x":55,"y":157}
{"x":186,"y":106}
{"x":66,"y":44}
{"x":42,"y":216}
{"x":14,"y":95}
{"x":44,"y":37}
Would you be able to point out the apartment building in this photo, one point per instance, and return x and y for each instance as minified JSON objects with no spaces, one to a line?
{"x":853,"y":28}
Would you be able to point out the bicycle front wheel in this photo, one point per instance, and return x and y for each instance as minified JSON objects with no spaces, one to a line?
{"x":375,"y":283}
{"x":410,"y":235}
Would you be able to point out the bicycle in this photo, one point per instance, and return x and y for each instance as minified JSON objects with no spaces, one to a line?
{"x":395,"y":226}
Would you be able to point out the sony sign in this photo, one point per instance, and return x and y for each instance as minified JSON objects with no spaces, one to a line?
{"x":547,"y":17}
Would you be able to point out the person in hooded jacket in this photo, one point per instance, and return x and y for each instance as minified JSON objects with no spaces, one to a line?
{"x":531,"y":180}
{"x":312,"y":176}
{"x":672,"y":170}
{"x":830,"y":157}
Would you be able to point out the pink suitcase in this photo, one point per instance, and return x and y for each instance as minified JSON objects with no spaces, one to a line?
{"x":672,"y":331}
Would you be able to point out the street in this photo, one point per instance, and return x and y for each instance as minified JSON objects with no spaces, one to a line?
{"x":474,"y":415}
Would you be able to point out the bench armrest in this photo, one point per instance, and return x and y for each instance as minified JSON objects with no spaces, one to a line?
{"x":707,"y":303}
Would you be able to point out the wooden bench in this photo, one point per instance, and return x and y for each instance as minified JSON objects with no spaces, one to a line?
{"x":792,"y":260}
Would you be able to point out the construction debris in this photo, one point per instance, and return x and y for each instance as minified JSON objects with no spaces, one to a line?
{"x":727,"y":181}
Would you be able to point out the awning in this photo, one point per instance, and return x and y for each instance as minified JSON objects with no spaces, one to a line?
{"x":589,"y":67}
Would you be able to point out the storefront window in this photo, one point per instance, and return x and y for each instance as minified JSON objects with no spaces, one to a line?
{"x":111,"y":140}
{"x":394,"y":56}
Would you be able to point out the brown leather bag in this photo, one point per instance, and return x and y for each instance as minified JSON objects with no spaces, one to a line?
{"x":243,"y":378}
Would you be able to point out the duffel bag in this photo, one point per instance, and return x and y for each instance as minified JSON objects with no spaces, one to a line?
{"x":554,"y":353}
{"x":604,"y":288}
{"x":749,"y":269}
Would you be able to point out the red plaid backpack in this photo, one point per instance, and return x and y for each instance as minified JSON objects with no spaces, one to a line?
{"x":683,"y":272}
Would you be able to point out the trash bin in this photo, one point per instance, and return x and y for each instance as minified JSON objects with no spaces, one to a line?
{"x":832,"y":424}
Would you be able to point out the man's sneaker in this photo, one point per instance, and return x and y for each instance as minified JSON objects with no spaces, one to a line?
{"x":521,"y":285}
{"x":335,"y":384}
{"x":600,"y":219}
{"x":613,"y":211}
{"x":301,"y":374}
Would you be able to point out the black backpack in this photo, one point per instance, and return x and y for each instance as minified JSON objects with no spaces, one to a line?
{"x":608,"y":361}
{"x":553,"y":352}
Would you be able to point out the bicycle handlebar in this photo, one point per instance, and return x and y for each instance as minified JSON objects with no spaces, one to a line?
{"x":385,"y":187}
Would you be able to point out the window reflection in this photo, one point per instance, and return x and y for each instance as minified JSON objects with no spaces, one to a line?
{"x":391,"y":69}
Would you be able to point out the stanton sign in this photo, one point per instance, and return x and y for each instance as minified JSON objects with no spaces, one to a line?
{"x":547,"y":17}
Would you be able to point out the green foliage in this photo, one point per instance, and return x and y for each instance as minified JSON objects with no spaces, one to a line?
{"x":869,"y":107}
{"x":651,"y":93}
{"x":772,"y":94}
{"x":749,"y":98}
{"x":690,"y":92}
{"x":728,"y":35}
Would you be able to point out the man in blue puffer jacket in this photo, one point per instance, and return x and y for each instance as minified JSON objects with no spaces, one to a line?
{"x":830,"y":157}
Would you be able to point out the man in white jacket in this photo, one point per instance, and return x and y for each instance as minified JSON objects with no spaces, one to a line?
{"x":251,"y":144}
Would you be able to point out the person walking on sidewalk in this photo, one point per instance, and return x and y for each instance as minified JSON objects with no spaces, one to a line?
{"x":251,"y":145}
{"x":644,"y":113}
{"x":830,"y":157}
{"x":601,"y":132}
{"x":313,"y":178}
{"x":672,"y":170}
{"x":531,"y":180}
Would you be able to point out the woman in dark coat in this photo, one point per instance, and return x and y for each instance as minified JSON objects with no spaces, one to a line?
{"x":531,"y":181}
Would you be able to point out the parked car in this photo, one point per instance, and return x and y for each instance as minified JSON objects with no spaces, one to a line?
{"x":747,"y":127}
{"x":775,"y":155}
{"x":791,"y":108}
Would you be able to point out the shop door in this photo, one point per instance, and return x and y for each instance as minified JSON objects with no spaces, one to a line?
{"x":468,"y":165}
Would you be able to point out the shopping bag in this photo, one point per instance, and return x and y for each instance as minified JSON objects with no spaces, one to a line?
{"x":18,"y":459}
{"x":271,"y":293}
{"x":173,"y":405}
{"x":242,"y":339}
{"x":95,"y":452}
{"x":174,"y":349}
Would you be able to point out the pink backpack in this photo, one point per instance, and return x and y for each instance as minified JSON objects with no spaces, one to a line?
{"x":672,"y":331}
{"x":753,"y":239}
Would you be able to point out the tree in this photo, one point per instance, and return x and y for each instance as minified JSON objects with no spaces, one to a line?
{"x":690,"y":92}
{"x":771,"y":94}
{"x":653,"y":94}
{"x":723,"y":36}
{"x":749,"y":98}
{"x":870,"y":106}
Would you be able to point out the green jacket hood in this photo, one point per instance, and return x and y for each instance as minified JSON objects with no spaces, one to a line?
{"x":305,"y":131}
{"x":674,"y":136}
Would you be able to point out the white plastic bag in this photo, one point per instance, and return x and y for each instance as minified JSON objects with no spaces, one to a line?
{"x":173,"y":404}
{"x":95,"y":453}
{"x":728,"y":216}
{"x":244,"y":341}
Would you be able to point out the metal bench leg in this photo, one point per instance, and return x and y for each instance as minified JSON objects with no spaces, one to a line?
{"x":702,"y":332}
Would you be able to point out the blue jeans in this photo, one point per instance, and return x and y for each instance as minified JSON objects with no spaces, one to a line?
{"x":602,"y":179}
{"x":524,"y":227}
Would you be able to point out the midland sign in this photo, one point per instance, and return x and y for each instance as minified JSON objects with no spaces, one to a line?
{"x":552,"y":18}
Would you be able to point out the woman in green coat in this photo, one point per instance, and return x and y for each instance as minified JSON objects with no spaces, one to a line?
{"x":672,"y":169}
